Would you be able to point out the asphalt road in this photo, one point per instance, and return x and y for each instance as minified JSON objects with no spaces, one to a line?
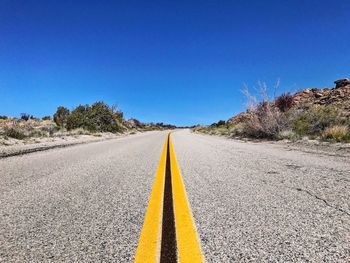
{"x":252,"y":202}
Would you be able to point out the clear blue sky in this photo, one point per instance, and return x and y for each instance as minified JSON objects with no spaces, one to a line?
{"x":181,"y":62}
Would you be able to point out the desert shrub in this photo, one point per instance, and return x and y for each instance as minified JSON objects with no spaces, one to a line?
{"x":119,"y":115}
{"x":3,"y":117}
{"x":38,"y":133}
{"x":222,"y":130}
{"x":80,"y":131}
{"x":236,"y":130}
{"x":25,"y":116}
{"x":266,"y":121}
{"x":101,"y":118}
{"x":337,"y":133}
{"x":202,"y":129}
{"x":98,"y":117}
{"x":50,"y":130}
{"x":78,"y":118}
{"x":288,"y":134}
{"x":284,"y":102}
{"x":46,"y":118}
{"x":221,"y":123}
{"x":14,"y":133}
{"x":218,"y":124}
{"x":61,"y":115}
{"x":316,"y":119}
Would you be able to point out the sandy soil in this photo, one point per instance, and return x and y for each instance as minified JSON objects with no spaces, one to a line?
{"x":11,"y":147}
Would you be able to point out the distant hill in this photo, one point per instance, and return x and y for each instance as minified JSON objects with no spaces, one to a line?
{"x":316,"y":113}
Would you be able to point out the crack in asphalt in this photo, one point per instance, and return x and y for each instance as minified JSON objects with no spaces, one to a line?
{"x":321,"y":199}
{"x":315,"y":196}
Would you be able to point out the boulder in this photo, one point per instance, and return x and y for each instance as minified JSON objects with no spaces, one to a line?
{"x":341,"y":83}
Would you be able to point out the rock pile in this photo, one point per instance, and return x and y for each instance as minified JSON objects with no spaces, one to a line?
{"x":338,"y":96}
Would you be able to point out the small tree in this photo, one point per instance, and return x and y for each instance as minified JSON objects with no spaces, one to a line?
{"x":98,"y":117}
{"x":79,"y":118}
{"x":218,"y":124}
{"x":221,"y":123}
{"x":25,"y":116}
{"x":61,"y":115}
{"x":101,"y":118}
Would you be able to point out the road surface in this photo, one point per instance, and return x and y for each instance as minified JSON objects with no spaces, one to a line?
{"x":251,"y":202}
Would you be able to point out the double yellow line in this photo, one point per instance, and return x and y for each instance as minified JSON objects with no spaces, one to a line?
{"x":188,"y":244}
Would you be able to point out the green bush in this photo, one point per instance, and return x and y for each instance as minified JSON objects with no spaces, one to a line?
{"x":118,"y":115}
{"x":315,"y":120}
{"x":218,"y":124}
{"x":288,"y":135}
{"x":98,"y":117}
{"x":78,"y":118}
{"x":236,"y":130}
{"x":61,"y":115}
{"x":101,"y":118}
{"x":15,"y":133}
{"x":46,"y":118}
{"x":25,"y":116}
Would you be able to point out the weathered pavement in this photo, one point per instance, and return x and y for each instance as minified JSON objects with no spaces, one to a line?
{"x":251,"y":202}
{"x":261,"y":203}
{"x":79,"y":204}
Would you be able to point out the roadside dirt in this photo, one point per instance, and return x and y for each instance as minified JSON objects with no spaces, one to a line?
{"x":12,"y":147}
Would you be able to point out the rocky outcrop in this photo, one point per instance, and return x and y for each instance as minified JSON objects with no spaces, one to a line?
{"x":338,"y":96}
{"x":240,"y":118}
{"x":134,"y":123}
{"x":341,"y":83}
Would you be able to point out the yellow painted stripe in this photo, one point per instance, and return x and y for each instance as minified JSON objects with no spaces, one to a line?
{"x":148,"y":249}
{"x":188,"y":244}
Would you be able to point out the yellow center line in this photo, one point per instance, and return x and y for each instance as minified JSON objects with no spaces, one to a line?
{"x":188,"y":244}
{"x":148,"y":249}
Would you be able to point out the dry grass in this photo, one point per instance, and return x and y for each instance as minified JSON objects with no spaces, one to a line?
{"x":30,"y":128}
{"x":338,"y":133}
{"x":35,"y":128}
